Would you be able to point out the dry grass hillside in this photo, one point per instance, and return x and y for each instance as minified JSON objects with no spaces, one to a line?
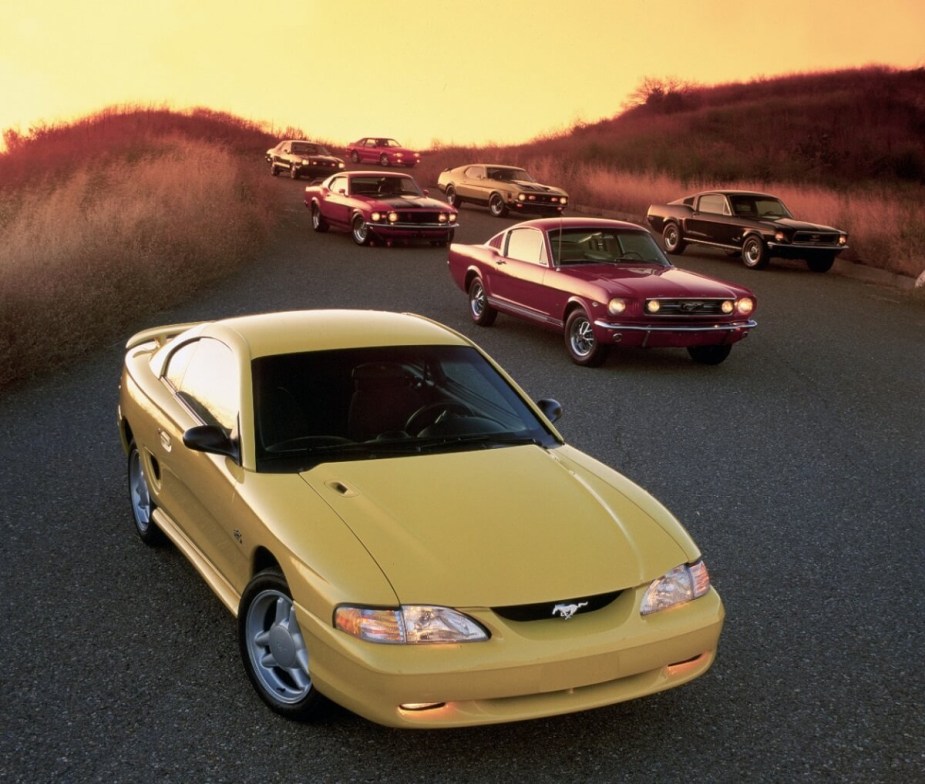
{"x":116,"y":216}
{"x":132,"y":209}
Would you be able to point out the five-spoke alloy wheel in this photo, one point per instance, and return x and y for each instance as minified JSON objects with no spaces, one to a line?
{"x":140,"y":497}
{"x":273,"y":649}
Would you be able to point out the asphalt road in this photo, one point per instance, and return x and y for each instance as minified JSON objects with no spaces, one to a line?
{"x":797,"y":465}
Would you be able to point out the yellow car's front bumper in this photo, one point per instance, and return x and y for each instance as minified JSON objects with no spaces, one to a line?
{"x":526,"y":670}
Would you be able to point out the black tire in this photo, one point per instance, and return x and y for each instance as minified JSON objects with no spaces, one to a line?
{"x":354,"y":157}
{"x":496,"y":205}
{"x":709,"y":355}
{"x":274,"y":172}
{"x":273,"y":650}
{"x":359,"y":230}
{"x":672,"y":238}
{"x":754,"y":253}
{"x":452,"y":198}
{"x":383,"y":160}
{"x":140,"y":499}
{"x":481,"y":312}
{"x":319,"y":224}
{"x":294,"y":172}
{"x":580,"y":342}
{"x":821,"y":263}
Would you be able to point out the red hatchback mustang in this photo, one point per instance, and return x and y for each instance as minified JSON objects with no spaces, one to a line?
{"x":385,"y":152}
{"x":602,"y":283}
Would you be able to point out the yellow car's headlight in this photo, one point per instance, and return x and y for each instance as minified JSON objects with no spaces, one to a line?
{"x":682,"y":584}
{"x":408,"y":625}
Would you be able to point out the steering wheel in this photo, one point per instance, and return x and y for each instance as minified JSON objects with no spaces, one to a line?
{"x":428,"y":414}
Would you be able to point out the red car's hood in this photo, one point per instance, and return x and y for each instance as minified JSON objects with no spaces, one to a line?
{"x":652,"y":281}
{"x":412,"y":202}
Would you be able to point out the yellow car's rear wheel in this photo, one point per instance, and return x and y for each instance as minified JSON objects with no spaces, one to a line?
{"x":140,"y":498}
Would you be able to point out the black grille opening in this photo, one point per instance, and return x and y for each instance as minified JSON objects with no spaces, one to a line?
{"x":690,"y":307}
{"x":544,"y":611}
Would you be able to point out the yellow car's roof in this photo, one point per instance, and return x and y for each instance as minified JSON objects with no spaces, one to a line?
{"x":315,"y":330}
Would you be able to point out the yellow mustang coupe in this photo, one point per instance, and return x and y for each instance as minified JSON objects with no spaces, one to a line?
{"x":398,"y":528}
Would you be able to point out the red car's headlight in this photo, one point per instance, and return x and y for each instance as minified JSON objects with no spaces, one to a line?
{"x":745,"y":305}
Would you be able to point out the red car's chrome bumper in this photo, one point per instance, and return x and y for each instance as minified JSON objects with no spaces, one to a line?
{"x":672,"y":335}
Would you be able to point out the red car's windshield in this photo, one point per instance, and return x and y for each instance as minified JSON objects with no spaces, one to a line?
{"x":595,"y":246}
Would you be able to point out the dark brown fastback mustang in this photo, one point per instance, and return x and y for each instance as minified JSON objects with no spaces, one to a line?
{"x":756,"y":225}
{"x":302,"y":159}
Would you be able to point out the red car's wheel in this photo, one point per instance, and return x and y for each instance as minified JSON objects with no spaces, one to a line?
{"x":482,"y":313}
{"x":359,"y":230}
{"x":709,"y":355}
{"x":583,"y":346}
{"x":354,"y":156}
{"x":383,"y":160}
{"x":319,"y":224}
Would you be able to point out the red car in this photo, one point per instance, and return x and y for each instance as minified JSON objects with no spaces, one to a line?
{"x":385,"y":152}
{"x":384,"y":206}
{"x":602,"y":283}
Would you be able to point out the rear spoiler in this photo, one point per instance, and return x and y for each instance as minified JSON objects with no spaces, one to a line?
{"x":158,"y":335}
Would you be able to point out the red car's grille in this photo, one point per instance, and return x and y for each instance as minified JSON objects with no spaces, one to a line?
{"x":420,"y":217}
{"x":688,"y":307}
{"x":544,"y":611}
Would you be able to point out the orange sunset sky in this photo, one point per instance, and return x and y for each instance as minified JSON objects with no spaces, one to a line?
{"x":422,"y":71}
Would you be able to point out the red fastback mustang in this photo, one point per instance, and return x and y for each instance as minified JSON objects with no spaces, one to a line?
{"x":385,"y":152}
{"x":602,"y":283}
{"x":383,"y":206}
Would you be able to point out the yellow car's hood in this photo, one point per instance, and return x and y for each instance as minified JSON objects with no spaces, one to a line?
{"x":503,"y":526}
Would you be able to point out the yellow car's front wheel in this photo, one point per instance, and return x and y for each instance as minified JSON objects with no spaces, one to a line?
{"x":273,"y":649}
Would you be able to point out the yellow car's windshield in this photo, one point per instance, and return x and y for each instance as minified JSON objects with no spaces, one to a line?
{"x":366,"y":403}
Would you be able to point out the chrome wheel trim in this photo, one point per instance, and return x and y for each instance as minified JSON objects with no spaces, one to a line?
{"x":139,"y":493}
{"x":752,"y":252}
{"x":276,"y":647}
{"x":581,"y":337}
{"x":360,"y":231}
{"x":477,"y":301}
{"x":671,"y":237}
{"x":496,"y":206}
{"x":316,"y":217}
